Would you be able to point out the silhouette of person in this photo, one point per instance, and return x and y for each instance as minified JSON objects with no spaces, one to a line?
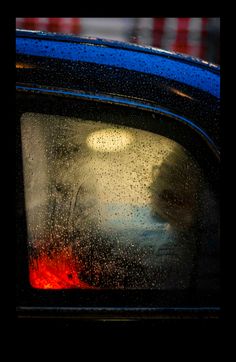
{"x":176,"y":191}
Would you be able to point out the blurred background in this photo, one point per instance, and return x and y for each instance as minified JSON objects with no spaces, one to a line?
{"x":199,"y":37}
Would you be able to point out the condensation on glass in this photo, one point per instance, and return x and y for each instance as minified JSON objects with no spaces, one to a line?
{"x":108,"y":206}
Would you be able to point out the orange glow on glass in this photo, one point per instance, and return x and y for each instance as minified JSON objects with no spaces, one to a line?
{"x":58,"y":270}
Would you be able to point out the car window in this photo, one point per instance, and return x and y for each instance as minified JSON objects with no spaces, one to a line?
{"x":113,"y":207}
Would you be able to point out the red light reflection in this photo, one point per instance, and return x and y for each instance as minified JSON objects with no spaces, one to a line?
{"x":59,"y":270}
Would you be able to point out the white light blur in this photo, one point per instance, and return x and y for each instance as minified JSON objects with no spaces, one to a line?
{"x":109,"y":140}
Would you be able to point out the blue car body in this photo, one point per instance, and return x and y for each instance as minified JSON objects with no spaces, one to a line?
{"x":185,"y":90}
{"x":116,"y":72}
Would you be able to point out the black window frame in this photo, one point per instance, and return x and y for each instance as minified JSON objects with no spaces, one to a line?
{"x":123,"y":303}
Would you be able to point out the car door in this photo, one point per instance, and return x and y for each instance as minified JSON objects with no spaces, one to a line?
{"x":118,"y":200}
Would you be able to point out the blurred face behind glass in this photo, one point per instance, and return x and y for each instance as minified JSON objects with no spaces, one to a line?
{"x":176,"y":188}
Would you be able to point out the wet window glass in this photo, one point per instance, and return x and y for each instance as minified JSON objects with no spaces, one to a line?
{"x":111,"y":207}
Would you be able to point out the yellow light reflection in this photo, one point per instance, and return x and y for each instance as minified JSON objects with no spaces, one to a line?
{"x":109,"y":140}
{"x":24,"y":66}
{"x":179,"y":93}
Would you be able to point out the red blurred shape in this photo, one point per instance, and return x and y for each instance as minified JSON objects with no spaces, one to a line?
{"x":57,"y":271}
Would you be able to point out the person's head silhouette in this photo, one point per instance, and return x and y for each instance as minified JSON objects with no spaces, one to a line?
{"x":176,"y":188}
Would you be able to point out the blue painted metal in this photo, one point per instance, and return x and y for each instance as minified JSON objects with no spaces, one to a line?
{"x":186,"y":87}
{"x":172,"y":68}
{"x":116,"y":44}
